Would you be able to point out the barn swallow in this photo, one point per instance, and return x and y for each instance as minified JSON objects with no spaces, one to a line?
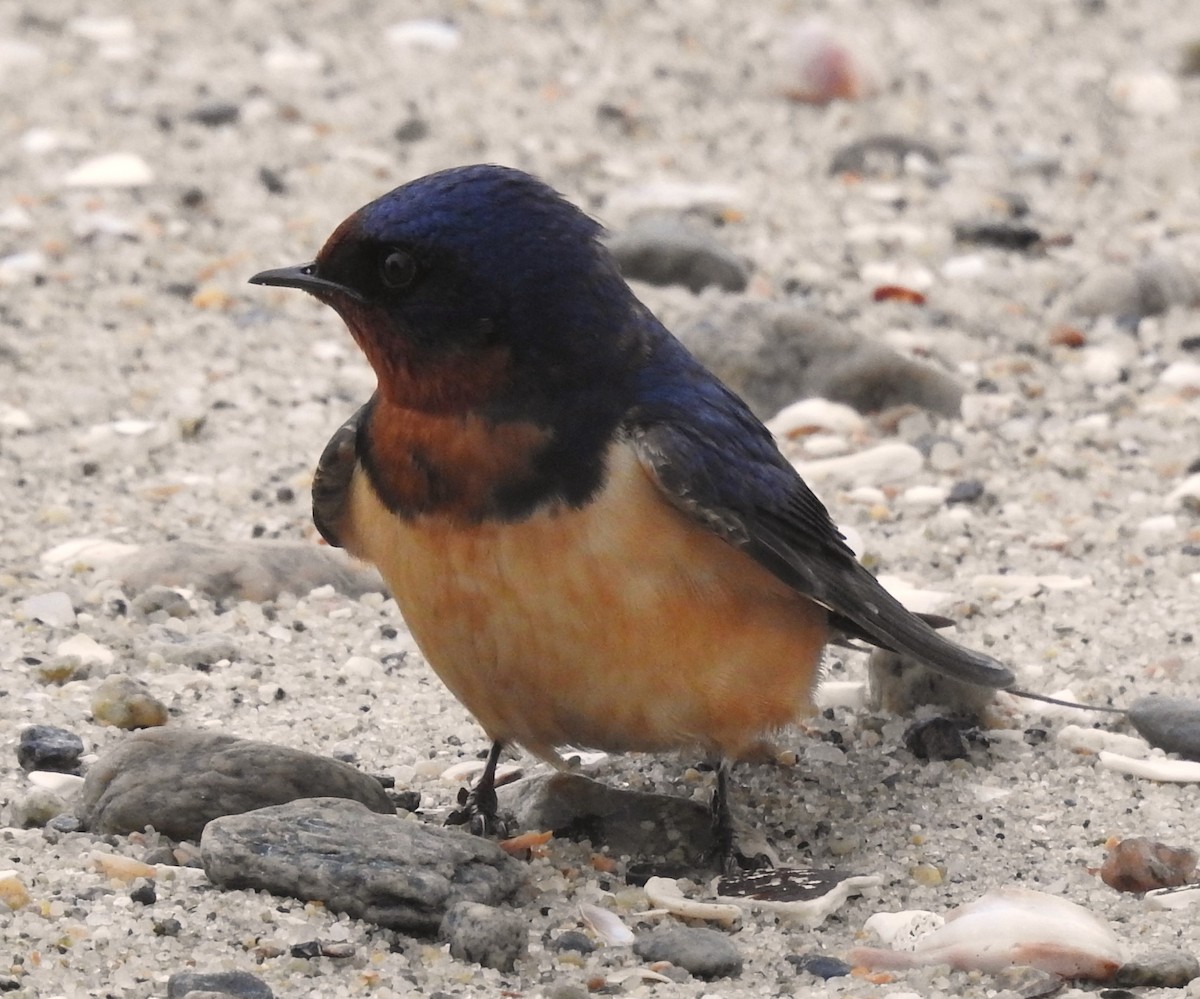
{"x":594,"y":542}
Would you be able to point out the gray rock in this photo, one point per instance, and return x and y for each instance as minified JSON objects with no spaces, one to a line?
{"x":35,"y":808}
{"x":397,"y":873}
{"x":705,"y":953}
{"x":226,"y":983}
{"x":483,"y":934}
{"x":628,"y":822}
{"x":1170,"y":723}
{"x":666,"y":250}
{"x":886,"y":156}
{"x":1165,"y":970}
{"x":126,"y":702}
{"x":162,"y":598}
{"x":46,"y":747}
{"x":178,"y":780}
{"x":772,"y":355}
{"x":249,"y":570}
{"x":936,"y":739}
{"x":1133,"y":292}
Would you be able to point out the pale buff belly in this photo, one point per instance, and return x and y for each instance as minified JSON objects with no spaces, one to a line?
{"x":621,"y":626}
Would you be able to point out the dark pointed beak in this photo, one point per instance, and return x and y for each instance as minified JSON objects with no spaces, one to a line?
{"x":304,"y":277}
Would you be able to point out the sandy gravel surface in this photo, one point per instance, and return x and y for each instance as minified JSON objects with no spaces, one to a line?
{"x":147,"y":393}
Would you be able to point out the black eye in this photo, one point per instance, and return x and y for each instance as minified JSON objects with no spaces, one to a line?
{"x":398,"y":269}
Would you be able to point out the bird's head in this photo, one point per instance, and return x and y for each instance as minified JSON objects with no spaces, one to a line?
{"x":472,"y":285}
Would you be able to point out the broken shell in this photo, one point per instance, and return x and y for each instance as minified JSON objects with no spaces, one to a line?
{"x":467,"y":771}
{"x":799,"y":895}
{"x":606,"y":925}
{"x":1012,"y":926}
{"x":1155,"y":768}
{"x":666,"y":894}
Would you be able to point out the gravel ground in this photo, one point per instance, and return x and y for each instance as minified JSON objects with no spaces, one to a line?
{"x":149,"y":394}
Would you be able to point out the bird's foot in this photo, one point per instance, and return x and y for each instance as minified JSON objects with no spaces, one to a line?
{"x":725,"y":855}
{"x":480,"y":813}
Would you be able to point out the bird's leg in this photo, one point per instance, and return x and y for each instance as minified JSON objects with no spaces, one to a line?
{"x":478,"y":807}
{"x":727,"y":855}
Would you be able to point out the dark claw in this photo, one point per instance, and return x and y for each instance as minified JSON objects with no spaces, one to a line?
{"x":727,"y":858}
{"x":479,"y":808}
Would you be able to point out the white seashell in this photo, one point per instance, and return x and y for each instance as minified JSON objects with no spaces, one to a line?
{"x":902,"y":930}
{"x":882,"y":463}
{"x":1164,"y":523}
{"x":1012,"y":926}
{"x":1181,"y":374}
{"x":1093,"y":740}
{"x":641,"y":974}
{"x":606,"y":924}
{"x":1173,"y":898}
{"x":965,"y":267}
{"x":666,"y":894}
{"x":1148,"y":93}
{"x":12,"y":418}
{"x":111,"y":170}
{"x":64,"y":784}
{"x":885,"y":272}
{"x":86,"y":552}
{"x":841,"y":694}
{"x":1155,"y":768}
{"x":923,"y":497}
{"x":807,"y":414}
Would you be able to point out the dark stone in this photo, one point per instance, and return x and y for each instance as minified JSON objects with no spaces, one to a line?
{"x":169,"y":927}
{"x":412,"y":130}
{"x":572,"y":940}
{"x":46,"y":747}
{"x":772,"y":355}
{"x":215,"y":113}
{"x":1003,"y":234}
{"x":821,"y":965}
{"x":400,"y":874}
{"x":1162,"y":970}
{"x":705,"y":953}
{"x":1170,"y":723}
{"x":936,"y":739}
{"x":241,"y":984}
{"x":965,"y":491}
{"x":271,"y":180}
{"x":248,"y":570}
{"x":629,"y":822}
{"x":178,"y":780}
{"x":144,"y":893}
{"x":482,"y":934}
{"x":664,"y":250}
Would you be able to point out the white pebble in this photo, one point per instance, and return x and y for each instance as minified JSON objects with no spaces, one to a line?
{"x":424,"y":34}
{"x":1181,"y":374}
{"x":60,"y":784}
{"x":913,"y":276}
{"x":923,"y":497}
{"x":1157,"y":526}
{"x":16,"y":219}
{"x":916,"y":599}
{"x":19,"y":57}
{"x":841,"y":694}
{"x":1102,"y":365}
{"x":287,"y":60}
{"x":53,"y":609}
{"x":12,"y":418}
{"x":1149,"y":93}
{"x":132,"y":428}
{"x":807,"y":415}
{"x":883,"y":463}
{"x":969,"y":265}
{"x":361,"y":668}
{"x":86,"y":649}
{"x":867,"y":496}
{"x":111,"y":170}
{"x":1173,"y":898}
{"x":102,"y":29}
{"x":901,"y":930}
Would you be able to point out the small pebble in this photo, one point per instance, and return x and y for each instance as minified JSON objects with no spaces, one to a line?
{"x":573,"y":940}
{"x":111,"y":170}
{"x":936,"y":739}
{"x":1170,"y":723}
{"x":817,"y":64}
{"x":113,"y":865}
{"x":123,"y":702}
{"x":965,"y":491}
{"x":1148,"y":93}
{"x":705,"y":953}
{"x":36,"y":808}
{"x":1162,"y":970}
{"x":46,"y":747}
{"x":86,"y":649}
{"x":668,"y":251}
{"x":52,"y":609}
{"x":144,"y":892}
{"x":240,"y":984}
{"x":215,"y":113}
{"x":486,"y":935}
{"x":820,"y":965}
{"x":13,"y":892}
{"x":1138,"y":864}
{"x":1004,"y":235}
